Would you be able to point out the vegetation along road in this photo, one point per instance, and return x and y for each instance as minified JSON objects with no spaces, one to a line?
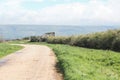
{"x":34,"y":62}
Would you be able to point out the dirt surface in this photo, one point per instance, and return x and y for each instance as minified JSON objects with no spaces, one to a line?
{"x":34,"y":62}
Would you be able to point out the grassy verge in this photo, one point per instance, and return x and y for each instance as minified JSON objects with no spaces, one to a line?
{"x":6,"y":49}
{"x":87,"y":64}
{"x":18,"y":42}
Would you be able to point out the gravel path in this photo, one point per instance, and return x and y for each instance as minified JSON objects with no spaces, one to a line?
{"x":34,"y":62}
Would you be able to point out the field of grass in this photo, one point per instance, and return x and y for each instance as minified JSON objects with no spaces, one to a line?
{"x":77,"y":63}
{"x":6,"y":49}
{"x":18,"y":41}
{"x":87,"y":64}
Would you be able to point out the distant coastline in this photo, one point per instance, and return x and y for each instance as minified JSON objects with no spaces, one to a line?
{"x":18,"y":31}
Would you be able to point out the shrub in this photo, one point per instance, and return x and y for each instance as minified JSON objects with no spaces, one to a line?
{"x":116,"y":42}
{"x":102,"y":40}
{"x":34,"y":39}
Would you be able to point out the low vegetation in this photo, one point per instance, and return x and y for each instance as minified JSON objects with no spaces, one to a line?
{"x":78,"y":63}
{"x":109,"y":40}
{"x":6,"y":49}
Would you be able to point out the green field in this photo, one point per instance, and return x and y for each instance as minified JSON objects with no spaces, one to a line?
{"x":78,"y":63}
{"x":6,"y":49}
{"x":87,"y":64}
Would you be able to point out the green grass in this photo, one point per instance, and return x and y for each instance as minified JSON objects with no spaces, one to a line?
{"x":87,"y":64}
{"x":78,"y":63}
{"x":6,"y":49}
{"x":18,"y":42}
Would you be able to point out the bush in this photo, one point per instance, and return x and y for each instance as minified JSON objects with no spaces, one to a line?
{"x":116,"y":42}
{"x":34,"y":39}
{"x":103,"y":40}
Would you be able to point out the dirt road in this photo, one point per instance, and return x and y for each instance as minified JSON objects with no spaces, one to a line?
{"x":34,"y":62}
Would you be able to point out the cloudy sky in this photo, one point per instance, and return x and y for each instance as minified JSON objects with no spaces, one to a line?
{"x":60,"y":12}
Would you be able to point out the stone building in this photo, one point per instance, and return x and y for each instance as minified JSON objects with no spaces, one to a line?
{"x":49,"y":34}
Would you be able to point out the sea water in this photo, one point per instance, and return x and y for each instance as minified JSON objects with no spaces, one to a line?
{"x":19,"y":31}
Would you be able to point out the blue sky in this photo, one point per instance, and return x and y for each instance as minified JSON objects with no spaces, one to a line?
{"x":35,"y":5}
{"x":60,"y":12}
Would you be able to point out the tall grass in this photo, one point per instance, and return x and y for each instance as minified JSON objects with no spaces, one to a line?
{"x":77,"y":63}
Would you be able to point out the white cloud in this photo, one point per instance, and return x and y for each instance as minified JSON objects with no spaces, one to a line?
{"x":94,"y":12}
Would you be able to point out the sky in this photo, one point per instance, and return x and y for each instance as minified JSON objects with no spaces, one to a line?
{"x":60,"y":12}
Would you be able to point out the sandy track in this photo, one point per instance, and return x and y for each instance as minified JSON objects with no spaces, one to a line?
{"x":34,"y":62}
